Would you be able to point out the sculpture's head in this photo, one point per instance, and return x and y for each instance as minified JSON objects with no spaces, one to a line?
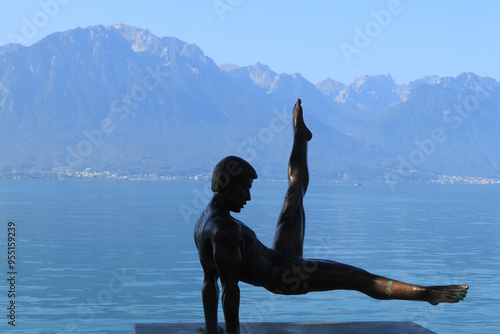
{"x":232,"y":179}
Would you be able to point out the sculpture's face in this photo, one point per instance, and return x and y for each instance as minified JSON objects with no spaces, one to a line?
{"x":238,"y":195}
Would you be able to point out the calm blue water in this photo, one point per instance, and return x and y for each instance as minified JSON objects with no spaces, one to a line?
{"x":98,"y":256}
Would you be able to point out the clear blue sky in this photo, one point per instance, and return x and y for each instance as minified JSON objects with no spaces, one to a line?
{"x":319,"y":39}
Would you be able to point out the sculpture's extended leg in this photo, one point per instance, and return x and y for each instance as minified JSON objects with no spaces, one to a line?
{"x":289,"y":234}
{"x":322,"y":275}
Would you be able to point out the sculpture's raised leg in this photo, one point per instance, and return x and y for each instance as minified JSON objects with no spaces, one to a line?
{"x":289,"y":234}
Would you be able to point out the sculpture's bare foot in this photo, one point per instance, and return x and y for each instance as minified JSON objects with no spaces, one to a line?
{"x":447,"y":294}
{"x":298,"y":121}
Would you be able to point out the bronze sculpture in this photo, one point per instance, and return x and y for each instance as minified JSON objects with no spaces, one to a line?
{"x":230,"y":250}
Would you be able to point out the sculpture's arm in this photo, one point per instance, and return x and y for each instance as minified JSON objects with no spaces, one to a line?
{"x":227,"y":256}
{"x":210,"y":297}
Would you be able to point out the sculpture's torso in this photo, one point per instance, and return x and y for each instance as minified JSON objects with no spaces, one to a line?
{"x":256,"y":258}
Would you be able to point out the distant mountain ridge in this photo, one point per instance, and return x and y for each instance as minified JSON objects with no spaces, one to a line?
{"x":120,"y":99}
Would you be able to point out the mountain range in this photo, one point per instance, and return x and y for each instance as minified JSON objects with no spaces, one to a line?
{"x":122,"y":100}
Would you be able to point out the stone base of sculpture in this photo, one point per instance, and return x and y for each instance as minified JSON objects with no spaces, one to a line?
{"x":378,"y":327}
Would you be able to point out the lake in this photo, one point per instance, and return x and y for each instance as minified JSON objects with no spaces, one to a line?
{"x":96,"y":256}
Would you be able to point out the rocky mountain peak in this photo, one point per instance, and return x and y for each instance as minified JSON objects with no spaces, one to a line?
{"x":141,"y":40}
{"x":373,"y":82}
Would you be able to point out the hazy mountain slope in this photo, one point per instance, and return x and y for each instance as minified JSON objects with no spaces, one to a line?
{"x":440,"y":130}
{"x":118,"y":98}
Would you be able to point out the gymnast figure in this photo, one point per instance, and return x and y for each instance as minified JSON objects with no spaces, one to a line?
{"x":230,"y":251}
